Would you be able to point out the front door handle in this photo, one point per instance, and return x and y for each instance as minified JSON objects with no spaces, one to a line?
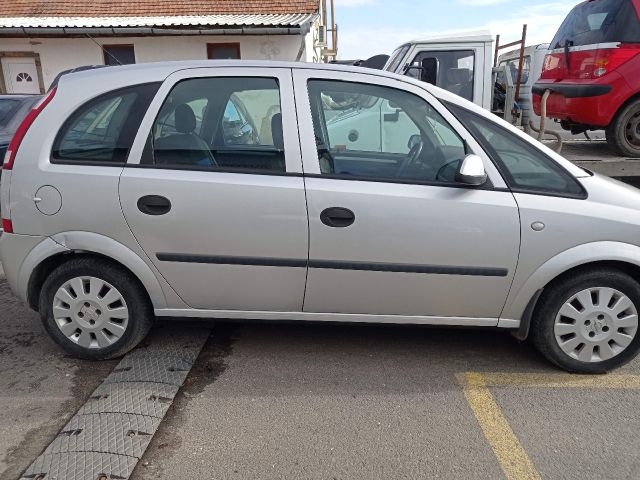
{"x":154,"y":205}
{"x":337,"y":217}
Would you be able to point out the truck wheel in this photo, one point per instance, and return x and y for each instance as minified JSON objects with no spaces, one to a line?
{"x":94,"y":309}
{"x":623,"y":134}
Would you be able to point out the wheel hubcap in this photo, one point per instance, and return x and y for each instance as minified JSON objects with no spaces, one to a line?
{"x":90,"y":312}
{"x":596,"y":324}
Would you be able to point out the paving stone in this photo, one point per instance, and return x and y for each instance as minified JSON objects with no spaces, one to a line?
{"x":80,"y":466}
{"x":140,"y":398}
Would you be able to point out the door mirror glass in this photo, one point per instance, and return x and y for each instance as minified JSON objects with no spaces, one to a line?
{"x":413,"y":141}
{"x":429,"y":72}
{"x":471,"y":171}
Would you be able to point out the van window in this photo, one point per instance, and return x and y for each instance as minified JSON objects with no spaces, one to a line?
{"x":368,"y":131}
{"x":102,"y":131}
{"x":220,"y":123}
{"x":599,"y":21}
{"x":453,"y":70}
{"x":524,"y":167}
{"x":512,"y":69}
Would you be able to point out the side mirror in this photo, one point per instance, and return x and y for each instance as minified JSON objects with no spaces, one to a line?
{"x":471,"y":171}
{"x":429,"y":71}
{"x":413,"y":141}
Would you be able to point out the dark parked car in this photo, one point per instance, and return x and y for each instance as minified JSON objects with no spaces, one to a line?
{"x":13,"y":109}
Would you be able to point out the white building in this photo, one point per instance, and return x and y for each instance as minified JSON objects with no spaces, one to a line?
{"x":39,"y":39}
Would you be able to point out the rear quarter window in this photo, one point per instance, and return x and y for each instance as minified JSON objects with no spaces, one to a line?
{"x":102,"y":130}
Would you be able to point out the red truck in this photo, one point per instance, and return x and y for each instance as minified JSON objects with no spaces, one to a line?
{"x":593,"y":73}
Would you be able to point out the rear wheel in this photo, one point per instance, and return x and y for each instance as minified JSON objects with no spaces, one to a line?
{"x":94,"y":309}
{"x":623,"y":134}
{"x":589,"y":323}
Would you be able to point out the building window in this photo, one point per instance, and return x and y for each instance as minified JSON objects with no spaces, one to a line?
{"x":118,"y":54}
{"x":223,"y":51}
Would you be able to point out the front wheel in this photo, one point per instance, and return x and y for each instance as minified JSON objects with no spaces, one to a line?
{"x":623,"y":134}
{"x":589,"y":323}
{"x":94,"y":309}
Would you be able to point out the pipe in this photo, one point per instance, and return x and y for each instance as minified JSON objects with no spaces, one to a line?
{"x":543,"y":118}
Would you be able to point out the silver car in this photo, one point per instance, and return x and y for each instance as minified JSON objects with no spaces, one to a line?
{"x":270,"y":191}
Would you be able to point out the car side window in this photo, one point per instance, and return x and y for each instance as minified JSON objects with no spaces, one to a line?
{"x":369,"y":131}
{"x":102,"y":131}
{"x":525,"y":168}
{"x":230,"y":123}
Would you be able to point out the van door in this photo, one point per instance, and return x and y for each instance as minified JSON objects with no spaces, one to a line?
{"x":214,"y":191}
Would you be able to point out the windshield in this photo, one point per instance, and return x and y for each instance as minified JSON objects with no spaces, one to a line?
{"x":599,"y":21}
{"x":396,"y":58}
{"x":8,"y":107}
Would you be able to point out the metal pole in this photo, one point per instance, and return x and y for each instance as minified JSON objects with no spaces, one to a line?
{"x":334,"y":35}
{"x":521,"y":62}
{"x":326,"y":28}
{"x":495,"y":57}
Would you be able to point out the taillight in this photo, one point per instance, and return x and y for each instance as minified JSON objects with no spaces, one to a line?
{"x":12,"y":150}
{"x":7,"y":226}
{"x":553,"y":67}
{"x":587,"y":64}
{"x":607,"y":60}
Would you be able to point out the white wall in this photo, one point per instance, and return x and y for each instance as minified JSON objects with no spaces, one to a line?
{"x":58,"y":54}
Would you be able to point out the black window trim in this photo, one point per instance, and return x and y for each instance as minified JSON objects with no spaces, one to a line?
{"x":246,"y":171}
{"x":455,"y":109}
{"x":53,"y":159}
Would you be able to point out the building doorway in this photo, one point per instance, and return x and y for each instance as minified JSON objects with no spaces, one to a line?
{"x":20,"y":75}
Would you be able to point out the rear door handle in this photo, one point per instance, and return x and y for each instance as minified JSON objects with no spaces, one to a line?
{"x":337,"y":217}
{"x":154,"y":205}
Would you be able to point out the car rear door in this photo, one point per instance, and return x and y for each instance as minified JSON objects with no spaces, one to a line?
{"x":215,"y":197}
{"x":387,"y":243}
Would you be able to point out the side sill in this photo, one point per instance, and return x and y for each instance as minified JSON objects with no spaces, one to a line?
{"x":509,"y":324}
{"x":328,"y":317}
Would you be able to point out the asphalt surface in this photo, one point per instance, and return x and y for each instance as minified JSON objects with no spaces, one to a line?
{"x":318,"y":401}
{"x":40,"y":386}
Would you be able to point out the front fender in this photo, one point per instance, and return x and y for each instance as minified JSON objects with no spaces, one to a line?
{"x":574,"y":257}
{"x":95,"y":243}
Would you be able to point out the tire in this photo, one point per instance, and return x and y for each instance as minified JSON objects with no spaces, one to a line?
{"x":598,"y":324}
{"x":623,"y":134}
{"x":108,"y":317}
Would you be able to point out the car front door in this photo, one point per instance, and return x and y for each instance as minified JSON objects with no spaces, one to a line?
{"x":214,"y":191}
{"x":391,"y":232}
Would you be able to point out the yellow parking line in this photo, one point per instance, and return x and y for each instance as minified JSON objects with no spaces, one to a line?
{"x":513,"y":460}
{"x":560,"y":380}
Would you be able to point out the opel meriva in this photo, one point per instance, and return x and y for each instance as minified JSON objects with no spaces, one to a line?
{"x":265,"y":191}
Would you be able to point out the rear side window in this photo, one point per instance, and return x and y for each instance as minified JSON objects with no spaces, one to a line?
{"x":524,"y":167}
{"x":220,"y":123}
{"x":599,"y":21}
{"x":102,"y":131}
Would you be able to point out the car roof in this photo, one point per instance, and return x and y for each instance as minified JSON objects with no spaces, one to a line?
{"x":169,"y":67}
